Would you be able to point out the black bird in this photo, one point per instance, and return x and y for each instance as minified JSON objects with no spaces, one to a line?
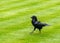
{"x":37,"y":24}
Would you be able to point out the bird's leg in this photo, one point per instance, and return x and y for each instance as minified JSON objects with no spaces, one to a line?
{"x":39,"y":30}
{"x":33,"y":30}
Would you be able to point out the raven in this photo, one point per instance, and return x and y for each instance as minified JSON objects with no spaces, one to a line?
{"x":37,"y":24}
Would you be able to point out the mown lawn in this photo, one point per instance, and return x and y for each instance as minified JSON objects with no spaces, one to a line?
{"x":15,"y":21}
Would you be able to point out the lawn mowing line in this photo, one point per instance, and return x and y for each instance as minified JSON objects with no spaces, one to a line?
{"x":10,"y":2}
{"x":43,"y":18}
{"x":10,"y":22}
{"x":12,"y":36}
{"x":14,"y":28}
{"x":51,"y":11}
{"x":4,"y":2}
{"x":17,"y":34}
{"x":55,"y":33}
{"x":57,"y":20}
{"x":23,"y":3}
{"x":42,"y":5}
{"x":47,"y":20}
{"x":54,"y":25}
{"x":18,"y":4}
{"x":13,"y":22}
{"x":19,"y":7}
{"x":16,"y":10}
{"x":19,"y":24}
{"x":42,"y":13}
{"x":34,"y":10}
{"x":4,"y":13}
{"x":8,"y":13}
{"x":17,"y":21}
{"x":23,"y":16}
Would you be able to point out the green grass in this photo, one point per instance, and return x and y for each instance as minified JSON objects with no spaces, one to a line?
{"x":15,"y":21}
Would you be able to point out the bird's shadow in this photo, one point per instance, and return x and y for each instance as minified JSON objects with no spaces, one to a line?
{"x":41,"y":35}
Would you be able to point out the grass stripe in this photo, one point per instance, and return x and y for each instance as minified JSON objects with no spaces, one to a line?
{"x":29,"y":38}
{"x":18,"y":25}
{"x":12,"y":13}
{"x":25,"y":13}
{"x":29,"y":5}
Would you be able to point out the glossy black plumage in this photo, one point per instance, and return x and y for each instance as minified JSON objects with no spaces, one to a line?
{"x":37,"y":24}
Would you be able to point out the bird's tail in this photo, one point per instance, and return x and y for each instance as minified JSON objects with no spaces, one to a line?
{"x":48,"y":25}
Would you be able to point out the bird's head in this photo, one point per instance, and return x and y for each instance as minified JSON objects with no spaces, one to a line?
{"x":34,"y":18}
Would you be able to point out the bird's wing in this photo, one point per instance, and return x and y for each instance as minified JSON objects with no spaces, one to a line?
{"x":37,"y":22}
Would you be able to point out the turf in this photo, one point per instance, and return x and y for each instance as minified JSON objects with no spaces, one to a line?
{"x":15,"y":21}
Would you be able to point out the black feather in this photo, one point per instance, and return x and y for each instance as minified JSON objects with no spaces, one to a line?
{"x":37,"y":24}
